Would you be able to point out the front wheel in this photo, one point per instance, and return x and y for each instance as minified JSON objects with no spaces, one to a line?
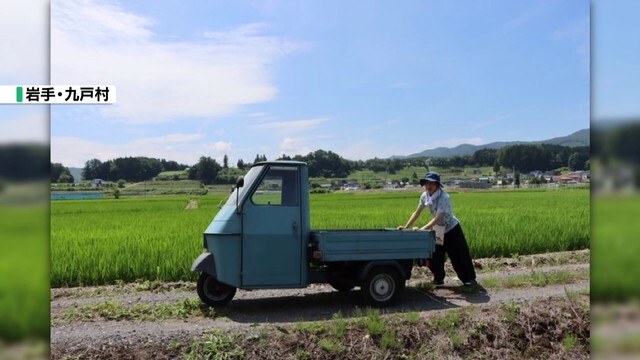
{"x":382,"y":286}
{"x":212,"y":292}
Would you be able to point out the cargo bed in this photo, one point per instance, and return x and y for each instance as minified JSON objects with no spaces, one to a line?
{"x":373,"y":244}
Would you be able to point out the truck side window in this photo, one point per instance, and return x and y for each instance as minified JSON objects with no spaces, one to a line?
{"x":278,"y":187}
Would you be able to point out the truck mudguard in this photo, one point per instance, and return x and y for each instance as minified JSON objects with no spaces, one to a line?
{"x":206,"y":263}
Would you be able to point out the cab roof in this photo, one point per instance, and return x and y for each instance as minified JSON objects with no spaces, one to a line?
{"x":281,"y":162}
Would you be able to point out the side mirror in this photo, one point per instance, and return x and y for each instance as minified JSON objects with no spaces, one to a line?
{"x":239,"y":184}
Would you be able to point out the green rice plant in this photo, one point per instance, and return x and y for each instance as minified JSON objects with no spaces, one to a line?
{"x":615,"y":248}
{"x":100,"y":242}
{"x":153,"y":238}
{"x":496,"y":223}
{"x":24,"y":288}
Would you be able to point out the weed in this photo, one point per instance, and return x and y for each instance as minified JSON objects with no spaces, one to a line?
{"x":389,"y":340}
{"x":569,"y":342}
{"x":511,"y":310}
{"x":331,"y":346}
{"x":449,"y":321}
{"x":339,"y":325}
{"x":302,"y":354}
{"x":413,"y":317}
{"x":114,"y":310}
{"x":425,"y":286}
{"x":217,"y":346}
{"x":457,"y":339}
{"x":311,"y":327}
{"x":375,"y":324}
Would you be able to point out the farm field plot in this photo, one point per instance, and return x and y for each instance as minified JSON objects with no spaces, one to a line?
{"x":156,"y":238}
{"x":24,"y":290}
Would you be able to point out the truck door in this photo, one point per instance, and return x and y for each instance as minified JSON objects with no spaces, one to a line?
{"x":272,"y":235}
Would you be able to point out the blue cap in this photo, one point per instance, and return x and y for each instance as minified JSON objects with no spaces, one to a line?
{"x":431,"y":176}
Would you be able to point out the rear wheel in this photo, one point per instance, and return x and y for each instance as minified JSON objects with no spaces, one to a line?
{"x":212,"y":292}
{"x":382,"y":286}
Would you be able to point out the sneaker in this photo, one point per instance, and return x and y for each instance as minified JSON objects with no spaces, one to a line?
{"x":470,"y":283}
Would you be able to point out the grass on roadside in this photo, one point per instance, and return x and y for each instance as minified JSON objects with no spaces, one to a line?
{"x":115,"y":310}
{"x":535,"y":279}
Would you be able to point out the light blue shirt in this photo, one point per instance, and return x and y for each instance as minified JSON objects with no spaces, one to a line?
{"x":441,"y":204}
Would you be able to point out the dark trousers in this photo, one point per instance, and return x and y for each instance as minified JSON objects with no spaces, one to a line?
{"x":455,"y":246}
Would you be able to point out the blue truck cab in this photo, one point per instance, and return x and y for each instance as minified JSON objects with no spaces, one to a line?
{"x":261,"y":239}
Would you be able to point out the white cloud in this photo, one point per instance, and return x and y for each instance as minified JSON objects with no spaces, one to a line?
{"x":73,"y":151}
{"x":27,"y":126}
{"x":290,"y":126}
{"x":221,"y":146}
{"x":360,"y":150}
{"x":294,"y":146}
{"x":94,"y":42}
{"x":24,"y":40}
{"x":171,"y":138}
{"x":287,"y":144}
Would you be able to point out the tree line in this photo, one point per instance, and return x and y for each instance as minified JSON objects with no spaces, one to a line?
{"x":327,"y":164}
{"x":24,"y":162}
{"x":130,"y":169}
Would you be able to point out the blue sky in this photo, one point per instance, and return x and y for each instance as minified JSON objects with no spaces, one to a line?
{"x":271,"y":77}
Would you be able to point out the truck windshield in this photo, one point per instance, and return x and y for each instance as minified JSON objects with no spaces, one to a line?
{"x":249,"y":179}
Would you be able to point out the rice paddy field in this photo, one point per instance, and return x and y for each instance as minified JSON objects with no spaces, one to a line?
{"x":616,"y":248}
{"x":106,"y":241}
{"x":24,"y":273}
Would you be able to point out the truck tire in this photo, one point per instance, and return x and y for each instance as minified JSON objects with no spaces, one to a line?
{"x":212,"y":292}
{"x":382,"y":286}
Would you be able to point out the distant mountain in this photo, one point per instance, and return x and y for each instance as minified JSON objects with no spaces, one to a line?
{"x":578,"y":138}
{"x":76,"y":173}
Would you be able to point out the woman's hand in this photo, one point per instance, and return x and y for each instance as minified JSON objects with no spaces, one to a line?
{"x":401,"y":227}
{"x":415,"y":228}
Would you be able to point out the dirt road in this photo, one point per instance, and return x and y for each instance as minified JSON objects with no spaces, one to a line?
{"x":114,"y":320}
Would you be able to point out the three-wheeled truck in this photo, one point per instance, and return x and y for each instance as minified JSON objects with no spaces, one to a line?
{"x":261,"y":239}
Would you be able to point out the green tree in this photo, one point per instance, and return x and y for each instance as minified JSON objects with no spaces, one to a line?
{"x":206,"y":170}
{"x":496,"y":167}
{"x":225,"y":162}
{"x":66,"y":177}
{"x":577,"y":161}
{"x":24,"y":161}
{"x":92,"y":169}
{"x":56,"y":171}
